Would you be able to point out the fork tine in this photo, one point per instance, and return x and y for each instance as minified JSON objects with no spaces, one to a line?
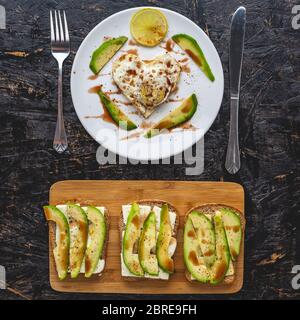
{"x":56,"y":27}
{"x":52,"y":27}
{"x":61,"y":30}
{"x":66,"y":27}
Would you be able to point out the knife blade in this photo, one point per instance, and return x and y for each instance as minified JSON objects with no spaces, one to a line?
{"x":237,"y":35}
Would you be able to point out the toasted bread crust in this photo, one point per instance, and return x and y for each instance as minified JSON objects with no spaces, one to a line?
{"x":122,"y":226}
{"x":210,"y":209}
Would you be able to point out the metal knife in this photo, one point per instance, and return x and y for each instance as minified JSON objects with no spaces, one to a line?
{"x":237,"y":35}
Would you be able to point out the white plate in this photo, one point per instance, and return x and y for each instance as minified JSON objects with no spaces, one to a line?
{"x":87,"y":105}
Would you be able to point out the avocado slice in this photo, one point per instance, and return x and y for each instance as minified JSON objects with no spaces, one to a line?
{"x":117,"y":115}
{"x":233,"y":230}
{"x":131,"y":235}
{"x":206,"y":236}
{"x":191,"y":253}
{"x":147,"y":242}
{"x":180,"y":115}
{"x":220,"y":267}
{"x":79,"y":233}
{"x":61,"y":251}
{"x":105,"y":52}
{"x":96,"y":239}
{"x":165,"y":262}
{"x":191,"y":47}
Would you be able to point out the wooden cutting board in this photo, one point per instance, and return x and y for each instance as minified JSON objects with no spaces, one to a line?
{"x":113,"y":194}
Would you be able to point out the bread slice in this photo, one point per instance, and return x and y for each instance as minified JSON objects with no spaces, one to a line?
{"x":52,"y":234}
{"x":210,"y":209}
{"x":150,"y":203}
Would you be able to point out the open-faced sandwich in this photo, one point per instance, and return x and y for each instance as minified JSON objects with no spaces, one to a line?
{"x":148,"y":239}
{"x":78,"y":239}
{"x":212,"y":240}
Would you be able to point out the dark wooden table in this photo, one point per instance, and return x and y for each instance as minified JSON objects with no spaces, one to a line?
{"x":269,"y":130}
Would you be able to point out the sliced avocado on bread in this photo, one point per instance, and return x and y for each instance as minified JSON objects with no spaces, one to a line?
{"x":131,"y":237}
{"x":201,"y":236}
{"x":146,"y":248}
{"x":79,"y":233}
{"x":96,"y":239}
{"x":87,"y":227}
{"x":62,"y":246}
{"x":165,"y":261}
{"x":233,"y":228}
{"x":147,"y":243}
{"x":105,"y":52}
{"x":193,"y":260}
{"x":221,"y":265}
{"x":206,"y":236}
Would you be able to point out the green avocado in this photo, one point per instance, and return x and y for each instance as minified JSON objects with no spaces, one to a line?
{"x":192,"y":259}
{"x":117,"y":115}
{"x":105,"y":52}
{"x":96,"y":239}
{"x":131,"y":235}
{"x":191,"y":47}
{"x":147,"y":242}
{"x":79,"y":233}
{"x":206,"y":236}
{"x":180,"y":115}
{"x":165,"y":262}
{"x":61,"y":250}
{"x":233,"y":230}
{"x":220,"y":267}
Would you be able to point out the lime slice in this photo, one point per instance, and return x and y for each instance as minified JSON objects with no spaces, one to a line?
{"x":148,"y":27}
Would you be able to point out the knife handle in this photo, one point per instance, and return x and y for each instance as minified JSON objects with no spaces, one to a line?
{"x":233,"y":162}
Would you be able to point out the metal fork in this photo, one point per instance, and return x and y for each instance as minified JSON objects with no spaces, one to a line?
{"x":60,"y":48}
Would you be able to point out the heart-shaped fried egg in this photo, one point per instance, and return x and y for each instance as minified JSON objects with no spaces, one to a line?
{"x":146,"y":83}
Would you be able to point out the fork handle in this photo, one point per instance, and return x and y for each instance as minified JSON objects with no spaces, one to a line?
{"x":233,"y":163}
{"x":60,"y":143}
